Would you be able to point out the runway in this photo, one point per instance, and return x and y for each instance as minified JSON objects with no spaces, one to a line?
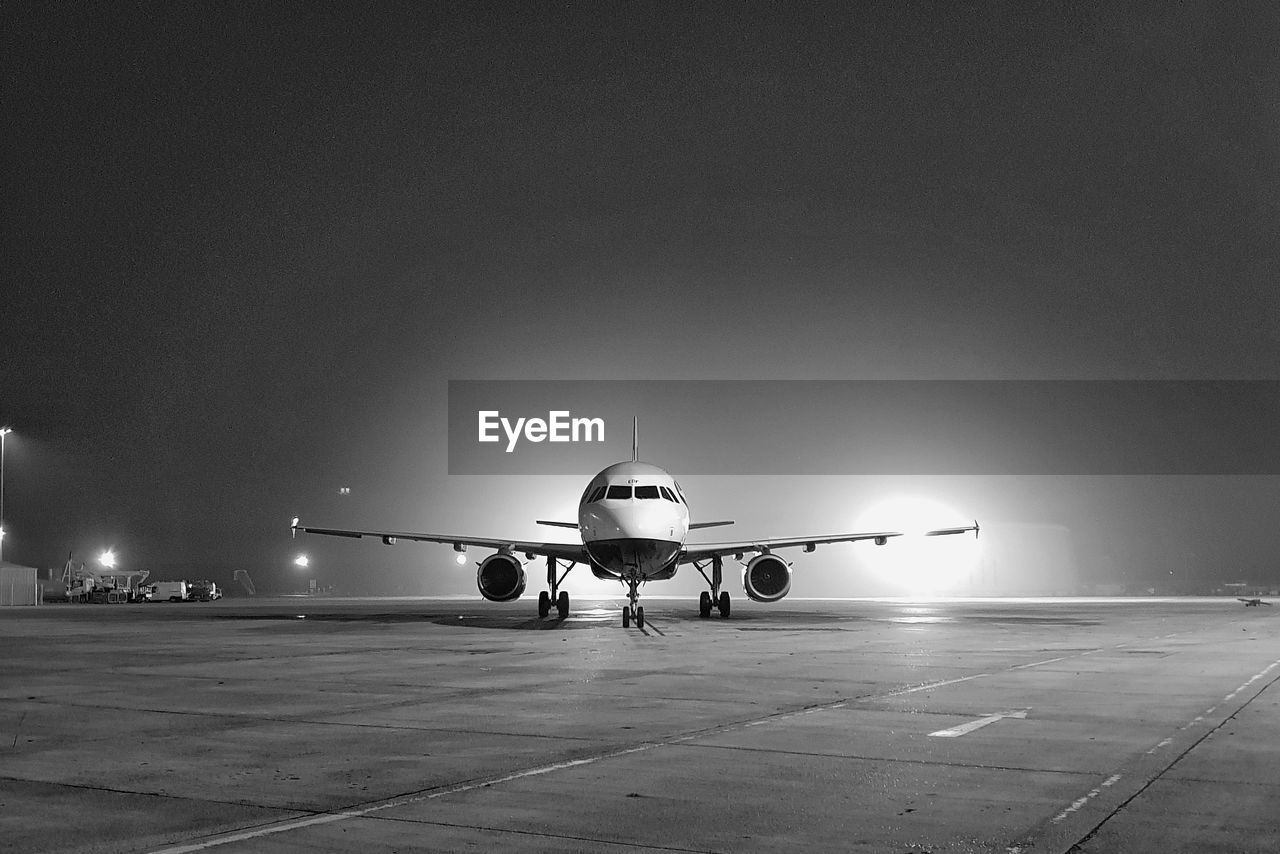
{"x":1055,"y":725}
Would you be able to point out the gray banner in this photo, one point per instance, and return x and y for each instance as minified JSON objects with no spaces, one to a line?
{"x":713,"y":427}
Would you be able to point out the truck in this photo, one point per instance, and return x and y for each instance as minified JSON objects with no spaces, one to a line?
{"x":203,"y":591}
{"x":169,"y":591}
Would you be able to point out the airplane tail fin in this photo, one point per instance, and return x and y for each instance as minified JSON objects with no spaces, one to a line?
{"x":635,"y":439}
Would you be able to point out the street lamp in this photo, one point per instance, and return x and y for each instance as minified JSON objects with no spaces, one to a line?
{"x":4,"y":431}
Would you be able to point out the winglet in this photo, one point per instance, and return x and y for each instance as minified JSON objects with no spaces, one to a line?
{"x":295,"y":527}
{"x":635,"y":439}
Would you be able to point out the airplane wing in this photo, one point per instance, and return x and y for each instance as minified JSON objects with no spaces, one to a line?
{"x":693,"y":553}
{"x":561,"y":551}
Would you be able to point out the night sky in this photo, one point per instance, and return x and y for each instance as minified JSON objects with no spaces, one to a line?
{"x":246,"y":247}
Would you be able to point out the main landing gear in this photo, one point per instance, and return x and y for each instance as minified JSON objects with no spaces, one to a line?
{"x":557,"y":596}
{"x":633,"y":611}
{"x":715,"y":597}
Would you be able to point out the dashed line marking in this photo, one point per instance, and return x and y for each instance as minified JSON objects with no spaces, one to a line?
{"x":1080,"y":802}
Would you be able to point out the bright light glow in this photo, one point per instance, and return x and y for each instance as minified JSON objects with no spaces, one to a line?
{"x":107,"y":559}
{"x":5,"y":431}
{"x":302,"y":561}
{"x":461,"y":559}
{"x":914,"y":564}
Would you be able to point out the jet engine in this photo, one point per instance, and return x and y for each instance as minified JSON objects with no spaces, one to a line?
{"x":767,"y":578}
{"x":500,"y":577}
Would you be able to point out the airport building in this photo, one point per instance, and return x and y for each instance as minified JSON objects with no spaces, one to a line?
{"x":18,"y":584}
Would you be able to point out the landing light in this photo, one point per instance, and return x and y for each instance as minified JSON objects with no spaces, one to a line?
{"x":302,"y":561}
{"x":915,"y":564}
{"x":461,"y":559}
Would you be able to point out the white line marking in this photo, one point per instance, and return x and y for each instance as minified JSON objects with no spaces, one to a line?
{"x":1038,"y":663}
{"x":311,"y":821}
{"x":328,"y":818}
{"x":927,"y":687}
{"x":1093,"y":793}
{"x":1080,"y":802}
{"x":956,"y":732}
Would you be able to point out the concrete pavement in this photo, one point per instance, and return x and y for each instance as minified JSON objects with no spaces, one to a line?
{"x":438,"y":725}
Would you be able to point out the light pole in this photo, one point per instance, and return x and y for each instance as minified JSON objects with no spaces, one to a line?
{"x":4,"y":431}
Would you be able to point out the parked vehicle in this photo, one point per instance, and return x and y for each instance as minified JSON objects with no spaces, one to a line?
{"x":170,"y":591}
{"x":203,"y":591}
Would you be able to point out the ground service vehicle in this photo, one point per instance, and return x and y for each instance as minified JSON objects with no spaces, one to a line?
{"x":203,"y":591}
{"x":169,"y":591}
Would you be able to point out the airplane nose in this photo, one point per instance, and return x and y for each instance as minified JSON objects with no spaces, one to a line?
{"x":603,"y":523}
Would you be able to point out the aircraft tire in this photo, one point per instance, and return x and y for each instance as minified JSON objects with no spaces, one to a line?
{"x":544,"y":604}
{"x":626,"y":618}
{"x":639,"y":618}
{"x":724,"y":604}
{"x":704,"y":605}
{"x":562,"y":604}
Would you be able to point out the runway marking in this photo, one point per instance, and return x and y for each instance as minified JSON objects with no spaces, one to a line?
{"x":343,"y":815}
{"x":963,"y":729}
{"x":419,"y":797}
{"x":1038,"y":663}
{"x":1080,"y":802}
{"x":928,"y":686}
{"x":328,"y":818}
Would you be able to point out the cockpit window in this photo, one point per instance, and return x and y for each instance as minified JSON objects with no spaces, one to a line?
{"x":619,"y":491}
{"x":679,"y":493}
{"x":647,"y":492}
{"x":596,"y":495}
{"x":666,"y":493}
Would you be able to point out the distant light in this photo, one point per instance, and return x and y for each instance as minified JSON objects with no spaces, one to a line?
{"x":461,"y":559}
{"x":107,"y":559}
{"x":302,"y":560}
{"x":346,"y":490}
{"x":916,"y":565}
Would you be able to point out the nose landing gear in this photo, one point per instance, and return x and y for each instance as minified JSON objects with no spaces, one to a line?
{"x":633,"y":611}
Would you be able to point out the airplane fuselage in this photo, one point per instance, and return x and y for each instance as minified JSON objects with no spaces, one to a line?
{"x":633,"y":520}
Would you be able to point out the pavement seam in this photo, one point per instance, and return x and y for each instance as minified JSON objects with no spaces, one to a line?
{"x":328,"y":817}
{"x":1073,"y":841}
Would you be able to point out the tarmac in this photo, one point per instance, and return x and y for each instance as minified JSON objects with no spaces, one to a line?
{"x":322,"y":724}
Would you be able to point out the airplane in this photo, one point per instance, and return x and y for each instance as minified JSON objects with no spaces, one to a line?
{"x":1252,"y":603}
{"x":633,"y":519}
